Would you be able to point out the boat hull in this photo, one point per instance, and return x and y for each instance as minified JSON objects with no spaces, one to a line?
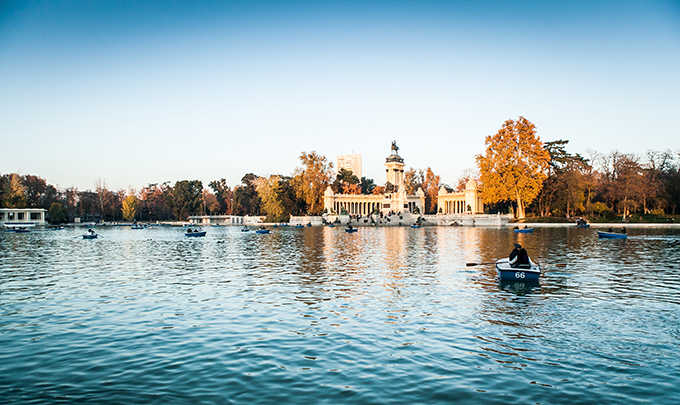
{"x":90,"y":236}
{"x":611,"y":235}
{"x":528,"y":230}
{"x":195,"y":234}
{"x":508,"y":273}
{"x":351,"y":230}
{"x":262,"y":231}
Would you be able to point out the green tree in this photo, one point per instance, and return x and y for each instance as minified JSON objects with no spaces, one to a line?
{"x":514,"y":165}
{"x":223,"y":194}
{"x":56,"y":213}
{"x":246,"y":200}
{"x":367,"y":185}
{"x":186,"y":198}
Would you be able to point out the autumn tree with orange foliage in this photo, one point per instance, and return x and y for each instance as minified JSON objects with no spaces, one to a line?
{"x":311,"y":181}
{"x":514,"y":165}
{"x":431,"y":188}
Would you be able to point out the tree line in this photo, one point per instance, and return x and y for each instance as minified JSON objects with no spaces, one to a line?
{"x":520,"y":173}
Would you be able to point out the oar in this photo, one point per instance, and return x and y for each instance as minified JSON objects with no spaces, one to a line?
{"x":540,"y":264}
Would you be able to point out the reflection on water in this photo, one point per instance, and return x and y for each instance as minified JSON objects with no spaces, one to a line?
{"x":319,"y":315}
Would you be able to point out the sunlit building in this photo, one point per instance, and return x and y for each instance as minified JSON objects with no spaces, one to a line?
{"x":393,"y":201}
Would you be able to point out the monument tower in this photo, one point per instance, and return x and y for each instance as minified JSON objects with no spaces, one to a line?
{"x":394,"y":168}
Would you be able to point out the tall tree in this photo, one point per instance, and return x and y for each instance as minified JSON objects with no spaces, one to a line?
{"x":56,"y":213}
{"x":16,"y":197}
{"x":186,"y":198}
{"x":129,"y":207}
{"x":246,"y":200}
{"x":312,"y":179}
{"x":223,"y":194}
{"x":431,"y":188}
{"x":268,"y":190}
{"x":343,"y":179}
{"x":514,"y":165}
{"x":413,"y":180}
{"x":367,"y":185}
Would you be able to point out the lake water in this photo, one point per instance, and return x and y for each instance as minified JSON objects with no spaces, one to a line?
{"x":317,"y":315}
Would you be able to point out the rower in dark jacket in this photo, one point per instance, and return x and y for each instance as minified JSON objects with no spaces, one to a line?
{"x":519,"y":257}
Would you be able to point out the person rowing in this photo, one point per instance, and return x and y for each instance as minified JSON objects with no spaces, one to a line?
{"x":519,"y":258}
{"x":90,"y":231}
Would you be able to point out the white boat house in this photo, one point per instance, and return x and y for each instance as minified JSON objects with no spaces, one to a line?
{"x":22,"y":217}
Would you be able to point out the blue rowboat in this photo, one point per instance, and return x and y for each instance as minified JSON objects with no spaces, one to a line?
{"x":509,"y":273}
{"x":309,"y":224}
{"x":351,"y":230}
{"x":611,"y":235}
{"x":299,"y":226}
{"x":331,"y":226}
{"x":524,"y":230}
{"x":262,"y":231}
{"x":137,"y":227}
{"x":583,"y":226}
{"x":91,"y":236}
{"x":245,"y":230}
{"x":414,"y":226}
{"x":276,"y":226}
{"x":195,"y":234}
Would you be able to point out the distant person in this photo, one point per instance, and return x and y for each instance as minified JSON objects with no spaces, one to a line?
{"x":90,"y":231}
{"x":519,"y":257}
{"x":624,"y":230}
{"x":610,"y":229}
{"x":190,"y":230}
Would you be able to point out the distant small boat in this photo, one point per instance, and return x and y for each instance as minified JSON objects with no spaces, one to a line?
{"x":137,"y":227}
{"x":299,"y":226}
{"x":245,"y":229}
{"x":276,"y":226}
{"x":583,"y":226}
{"x":524,"y":230}
{"x":309,"y":224}
{"x":262,"y":231}
{"x":90,"y":236}
{"x":416,"y":226}
{"x":21,"y":230}
{"x":507,"y":272}
{"x":351,"y":230}
{"x":331,"y":226}
{"x":195,"y":234}
{"x":611,"y":235}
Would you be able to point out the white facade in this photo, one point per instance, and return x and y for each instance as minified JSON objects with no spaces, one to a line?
{"x":22,"y":217}
{"x":350,"y":162}
{"x":393,"y":201}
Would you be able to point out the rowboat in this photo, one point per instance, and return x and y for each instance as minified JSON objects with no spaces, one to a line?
{"x":415,"y":226}
{"x":331,"y":225}
{"x":507,"y":272}
{"x":299,"y":226}
{"x":351,"y":230}
{"x":195,"y":234}
{"x":90,"y":236}
{"x":137,"y":227}
{"x":584,"y":226}
{"x":245,"y":230}
{"x":611,"y":235}
{"x":262,"y":231}
{"x":309,"y":224}
{"x":524,"y":230}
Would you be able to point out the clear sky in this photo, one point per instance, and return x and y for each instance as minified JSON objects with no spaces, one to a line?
{"x":140,"y":93}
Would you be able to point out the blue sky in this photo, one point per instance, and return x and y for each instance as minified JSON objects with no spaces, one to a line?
{"x":134,"y":94}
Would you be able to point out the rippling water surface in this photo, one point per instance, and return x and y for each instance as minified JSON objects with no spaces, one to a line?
{"x":317,"y":315}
